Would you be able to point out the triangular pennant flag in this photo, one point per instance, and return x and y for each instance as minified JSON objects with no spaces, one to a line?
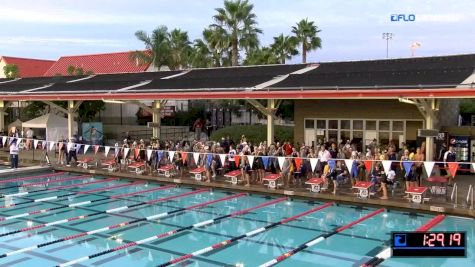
{"x":251,"y":160}
{"x":222,"y":157}
{"x":407,"y":166}
{"x":136,"y":152}
{"x":159,"y":155}
{"x":298,"y":163}
{"x":183,"y":157}
{"x":453,"y":166}
{"x":43,"y":145}
{"x":149,"y":153}
{"x":429,"y":165}
{"x":236,"y":160}
{"x":86,"y":147}
{"x":349,"y":164}
{"x":106,"y":150}
{"x":368,"y":164}
{"x":265,"y":160}
{"x":281,"y":161}
{"x":171,"y":154}
{"x":96,"y":148}
{"x":209,"y":159}
{"x":116,"y":151}
{"x":69,"y":146}
{"x":196,"y":157}
{"x":51,"y":145}
{"x":387,"y":165}
{"x":4,"y":139}
{"x":313,"y":163}
{"x":331,"y":164}
{"x":35,"y":143}
{"x":473,"y":166}
{"x":19,"y":140}
{"x":78,"y":147}
{"x":126,"y":152}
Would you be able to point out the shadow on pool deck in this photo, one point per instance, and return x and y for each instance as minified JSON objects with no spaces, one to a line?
{"x":345,"y":194}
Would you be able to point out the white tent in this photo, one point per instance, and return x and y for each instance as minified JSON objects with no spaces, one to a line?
{"x":56,"y":126}
{"x":18,"y":124}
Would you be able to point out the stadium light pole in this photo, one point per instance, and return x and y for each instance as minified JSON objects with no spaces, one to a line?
{"x":387,"y":36}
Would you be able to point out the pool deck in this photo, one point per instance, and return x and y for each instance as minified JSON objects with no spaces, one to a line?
{"x":344,"y":195}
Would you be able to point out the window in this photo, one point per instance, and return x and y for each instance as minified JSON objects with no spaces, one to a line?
{"x":384,"y":125}
{"x":345,"y":135}
{"x":309,"y":124}
{"x":345,"y":124}
{"x":333,"y":136}
{"x":357,"y":125}
{"x":370,"y":125}
{"x":321,"y":124}
{"x":332,"y":124}
{"x":398,"y":125}
{"x":358,"y":134}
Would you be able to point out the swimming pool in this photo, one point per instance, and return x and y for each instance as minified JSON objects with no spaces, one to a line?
{"x":109,"y":222}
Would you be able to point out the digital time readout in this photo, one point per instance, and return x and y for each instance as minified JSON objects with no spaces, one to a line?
{"x":429,"y":244}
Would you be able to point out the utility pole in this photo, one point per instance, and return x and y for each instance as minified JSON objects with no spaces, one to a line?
{"x":387,"y":36}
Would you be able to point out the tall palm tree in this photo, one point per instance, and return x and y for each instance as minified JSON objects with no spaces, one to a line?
{"x":218,"y":42}
{"x":239,"y":22}
{"x":284,"y":47}
{"x":180,"y":49}
{"x":306,"y":33}
{"x":261,"y":56}
{"x":157,"y":48}
{"x":201,"y":56}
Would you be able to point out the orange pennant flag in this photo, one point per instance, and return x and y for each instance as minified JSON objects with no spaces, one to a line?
{"x":298,"y":163}
{"x":453,"y":166}
{"x":368,"y":164}
{"x":137,"y":152}
{"x":96,"y":148}
{"x":236,"y":160}
{"x":183,"y":157}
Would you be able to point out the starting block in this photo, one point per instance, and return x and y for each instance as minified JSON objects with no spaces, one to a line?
{"x":198,"y":173}
{"x":234,"y":176}
{"x":316,"y":184}
{"x":363,"y":189}
{"x":86,"y":162}
{"x":110,"y":165}
{"x":138,"y":167}
{"x":272,"y":178}
{"x":167,"y":170}
{"x":417,"y":194}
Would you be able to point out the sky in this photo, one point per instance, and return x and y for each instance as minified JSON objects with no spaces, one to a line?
{"x":350,"y":29}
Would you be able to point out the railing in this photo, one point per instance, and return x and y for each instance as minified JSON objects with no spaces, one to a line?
{"x":454,"y":195}
{"x":470,"y":196}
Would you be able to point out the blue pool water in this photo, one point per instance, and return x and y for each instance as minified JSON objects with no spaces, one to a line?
{"x":351,"y":247}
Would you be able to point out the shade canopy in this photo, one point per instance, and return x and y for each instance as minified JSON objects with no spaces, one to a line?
{"x":56,"y":126}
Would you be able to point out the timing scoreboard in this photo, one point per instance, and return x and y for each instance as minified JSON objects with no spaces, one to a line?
{"x":430,"y":244}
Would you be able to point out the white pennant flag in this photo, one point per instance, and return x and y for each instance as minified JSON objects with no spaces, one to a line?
{"x":349,"y":164}
{"x":196,"y":157}
{"x":69,"y":146}
{"x":116,"y":151}
{"x":106,"y":150}
{"x":43,"y":144}
{"x":313,"y":163}
{"x":149,"y":153}
{"x":19,"y":140}
{"x":281,"y":162}
{"x":222,"y":157}
{"x":86,"y":147}
{"x":251,"y":160}
{"x":51,"y":145}
{"x":78,"y":147}
{"x":35,"y":143}
{"x":4,"y":139}
{"x":429,"y":165}
{"x":126,"y":152}
{"x":171,"y":154}
{"x":387,"y":165}
{"x":473,"y":166}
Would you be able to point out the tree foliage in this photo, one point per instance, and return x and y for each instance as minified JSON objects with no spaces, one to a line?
{"x":253,"y":133}
{"x":11,"y":71}
{"x":306,"y":33}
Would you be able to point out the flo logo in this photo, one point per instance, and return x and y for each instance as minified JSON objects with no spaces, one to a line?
{"x":403,"y":17}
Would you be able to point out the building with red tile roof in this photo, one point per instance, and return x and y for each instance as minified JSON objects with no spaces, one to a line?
{"x":119,"y":62}
{"x":27,"y":67}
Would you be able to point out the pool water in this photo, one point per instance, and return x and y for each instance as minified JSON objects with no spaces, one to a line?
{"x":351,"y":247}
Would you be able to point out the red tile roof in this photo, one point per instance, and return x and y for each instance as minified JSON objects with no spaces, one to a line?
{"x":29,"y":67}
{"x":97,"y":63}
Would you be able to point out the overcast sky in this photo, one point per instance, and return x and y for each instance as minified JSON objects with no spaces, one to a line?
{"x":351,"y":29}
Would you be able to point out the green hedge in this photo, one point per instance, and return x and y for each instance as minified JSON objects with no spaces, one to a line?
{"x":253,"y":133}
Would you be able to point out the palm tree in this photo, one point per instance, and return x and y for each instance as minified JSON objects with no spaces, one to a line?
{"x":240,"y":24}
{"x":261,"y":56}
{"x":306,"y":33}
{"x":218,"y":42}
{"x":157,"y":48}
{"x":180,"y":49}
{"x":284,"y":47}
{"x":201,"y":56}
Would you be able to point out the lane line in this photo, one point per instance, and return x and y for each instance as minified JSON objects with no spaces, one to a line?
{"x":36,"y":177}
{"x":318,"y":239}
{"x":119,"y":225}
{"x":248,"y":234}
{"x":171,"y":232}
{"x":114,"y":210}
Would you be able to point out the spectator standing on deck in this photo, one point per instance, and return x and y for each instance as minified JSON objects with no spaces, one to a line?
{"x":450,"y":156}
{"x":197,"y":127}
{"x":13,"y":152}
{"x":29,"y":139}
{"x":71,"y":147}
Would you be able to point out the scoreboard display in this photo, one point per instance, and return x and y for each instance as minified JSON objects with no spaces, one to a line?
{"x":428,"y":244}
